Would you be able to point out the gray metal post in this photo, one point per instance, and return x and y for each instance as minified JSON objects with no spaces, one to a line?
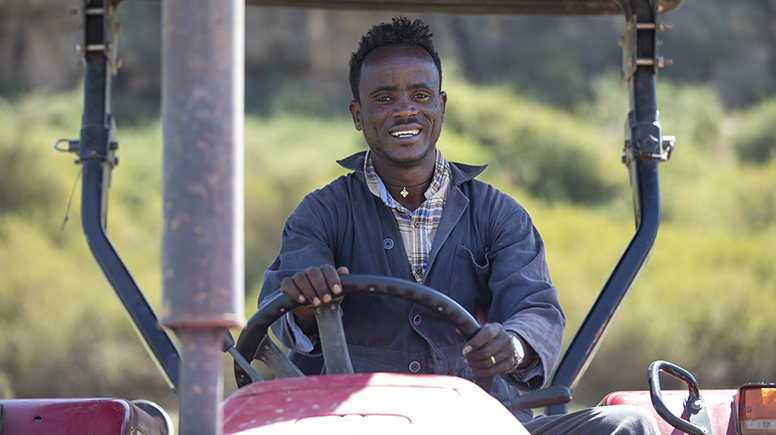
{"x":202,"y":252}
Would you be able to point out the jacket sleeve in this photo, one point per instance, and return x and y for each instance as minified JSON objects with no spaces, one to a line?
{"x":304,"y":243}
{"x":524,"y":299}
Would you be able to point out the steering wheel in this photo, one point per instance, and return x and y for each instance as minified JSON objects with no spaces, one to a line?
{"x":254,"y":341}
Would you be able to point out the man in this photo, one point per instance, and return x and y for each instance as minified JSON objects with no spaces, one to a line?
{"x":407,"y":212}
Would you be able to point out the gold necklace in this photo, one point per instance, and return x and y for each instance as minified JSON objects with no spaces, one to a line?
{"x":404,"y":191}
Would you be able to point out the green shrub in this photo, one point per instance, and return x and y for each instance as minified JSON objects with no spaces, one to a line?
{"x":755,"y":139}
{"x":692,"y":113}
{"x":30,"y":127}
{"x":547,"y":152}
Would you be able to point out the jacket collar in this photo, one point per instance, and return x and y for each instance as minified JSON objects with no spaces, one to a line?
{"x":460,"y":173}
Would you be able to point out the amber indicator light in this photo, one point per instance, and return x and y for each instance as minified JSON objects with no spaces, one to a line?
{"x":757,"y":409}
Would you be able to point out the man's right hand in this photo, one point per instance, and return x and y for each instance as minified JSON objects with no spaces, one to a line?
{"x":314,"y":285}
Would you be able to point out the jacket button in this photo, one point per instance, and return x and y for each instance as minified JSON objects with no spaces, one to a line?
{"x":417,"y":319}
{"x":414,"y":367}
{"x":388,"y":243}
{"x":417,"y":224}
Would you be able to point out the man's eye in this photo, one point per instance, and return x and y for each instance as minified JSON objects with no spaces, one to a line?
{"x":384,"y":99}
{"x":421,"y":96}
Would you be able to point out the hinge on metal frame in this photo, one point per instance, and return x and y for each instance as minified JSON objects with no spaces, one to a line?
{"x":104,"y":39}
{"x":629,"y":44}
{"x":74,"y":146}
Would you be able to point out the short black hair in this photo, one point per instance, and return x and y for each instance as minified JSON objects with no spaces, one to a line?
{"x":401,"y":31}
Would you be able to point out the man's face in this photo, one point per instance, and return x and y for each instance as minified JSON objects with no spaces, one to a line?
{"x":402,"y":109}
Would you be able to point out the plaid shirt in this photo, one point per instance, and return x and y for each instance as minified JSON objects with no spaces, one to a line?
{"x":419,"y":227}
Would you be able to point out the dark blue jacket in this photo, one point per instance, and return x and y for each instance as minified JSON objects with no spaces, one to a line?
{"x":487,"y":255}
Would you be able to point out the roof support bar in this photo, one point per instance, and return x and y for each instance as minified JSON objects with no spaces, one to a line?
{"x":202,"y":247}
{"x":96,"y":149}
{"x":643,"y":143}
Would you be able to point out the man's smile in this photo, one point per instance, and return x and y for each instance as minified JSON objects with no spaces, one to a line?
{"x":405,"y":134}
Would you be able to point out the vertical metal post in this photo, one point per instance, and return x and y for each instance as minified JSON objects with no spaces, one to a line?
{"x":202,"y":253}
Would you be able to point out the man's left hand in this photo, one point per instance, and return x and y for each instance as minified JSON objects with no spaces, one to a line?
{"x":490,"y":351}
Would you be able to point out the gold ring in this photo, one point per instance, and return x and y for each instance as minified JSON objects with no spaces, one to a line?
{"x":493,"y":360}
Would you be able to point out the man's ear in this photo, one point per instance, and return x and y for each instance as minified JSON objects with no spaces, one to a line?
{"x":355,"y":112}
{"x":443,"y":98}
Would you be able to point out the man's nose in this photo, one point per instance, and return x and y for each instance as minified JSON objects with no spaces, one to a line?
{"x":405,"y":107}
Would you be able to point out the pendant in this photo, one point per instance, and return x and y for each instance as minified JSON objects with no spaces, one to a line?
{"x":404,"y":192}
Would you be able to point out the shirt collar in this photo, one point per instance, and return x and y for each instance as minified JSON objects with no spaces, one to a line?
{"x":459,"y":172}
{"x":376,"y":186}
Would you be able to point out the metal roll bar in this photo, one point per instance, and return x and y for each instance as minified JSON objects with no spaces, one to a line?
{"x":644,"y":149}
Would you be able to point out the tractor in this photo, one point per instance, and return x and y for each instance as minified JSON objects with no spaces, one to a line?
{"x":202,"y":258}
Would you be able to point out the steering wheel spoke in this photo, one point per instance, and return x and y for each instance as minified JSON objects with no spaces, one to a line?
{"x":332,"y":334}
{"x":270,"y":354}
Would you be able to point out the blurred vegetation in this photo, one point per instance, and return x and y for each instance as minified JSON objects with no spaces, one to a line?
{"x":703,"y":301}
{"x":756,"y":143}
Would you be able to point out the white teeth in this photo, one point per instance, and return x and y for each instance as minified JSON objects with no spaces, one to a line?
{"x":405,"y":133}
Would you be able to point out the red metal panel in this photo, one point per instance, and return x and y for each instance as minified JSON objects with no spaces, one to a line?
{"x":75,"y":417}
{"x":366,"y":403}
{"x":719,"y":402}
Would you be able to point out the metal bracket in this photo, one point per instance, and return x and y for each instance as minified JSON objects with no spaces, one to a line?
{"x":644,"y":140}
{"x":554,"y":395}
{"x":629,"y":43}
{"x":74,"y":146}
{"x":698,"y":414}
{"x":228,"y":347}
{"x":100,"y":33}
{"x":645,"y":149}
